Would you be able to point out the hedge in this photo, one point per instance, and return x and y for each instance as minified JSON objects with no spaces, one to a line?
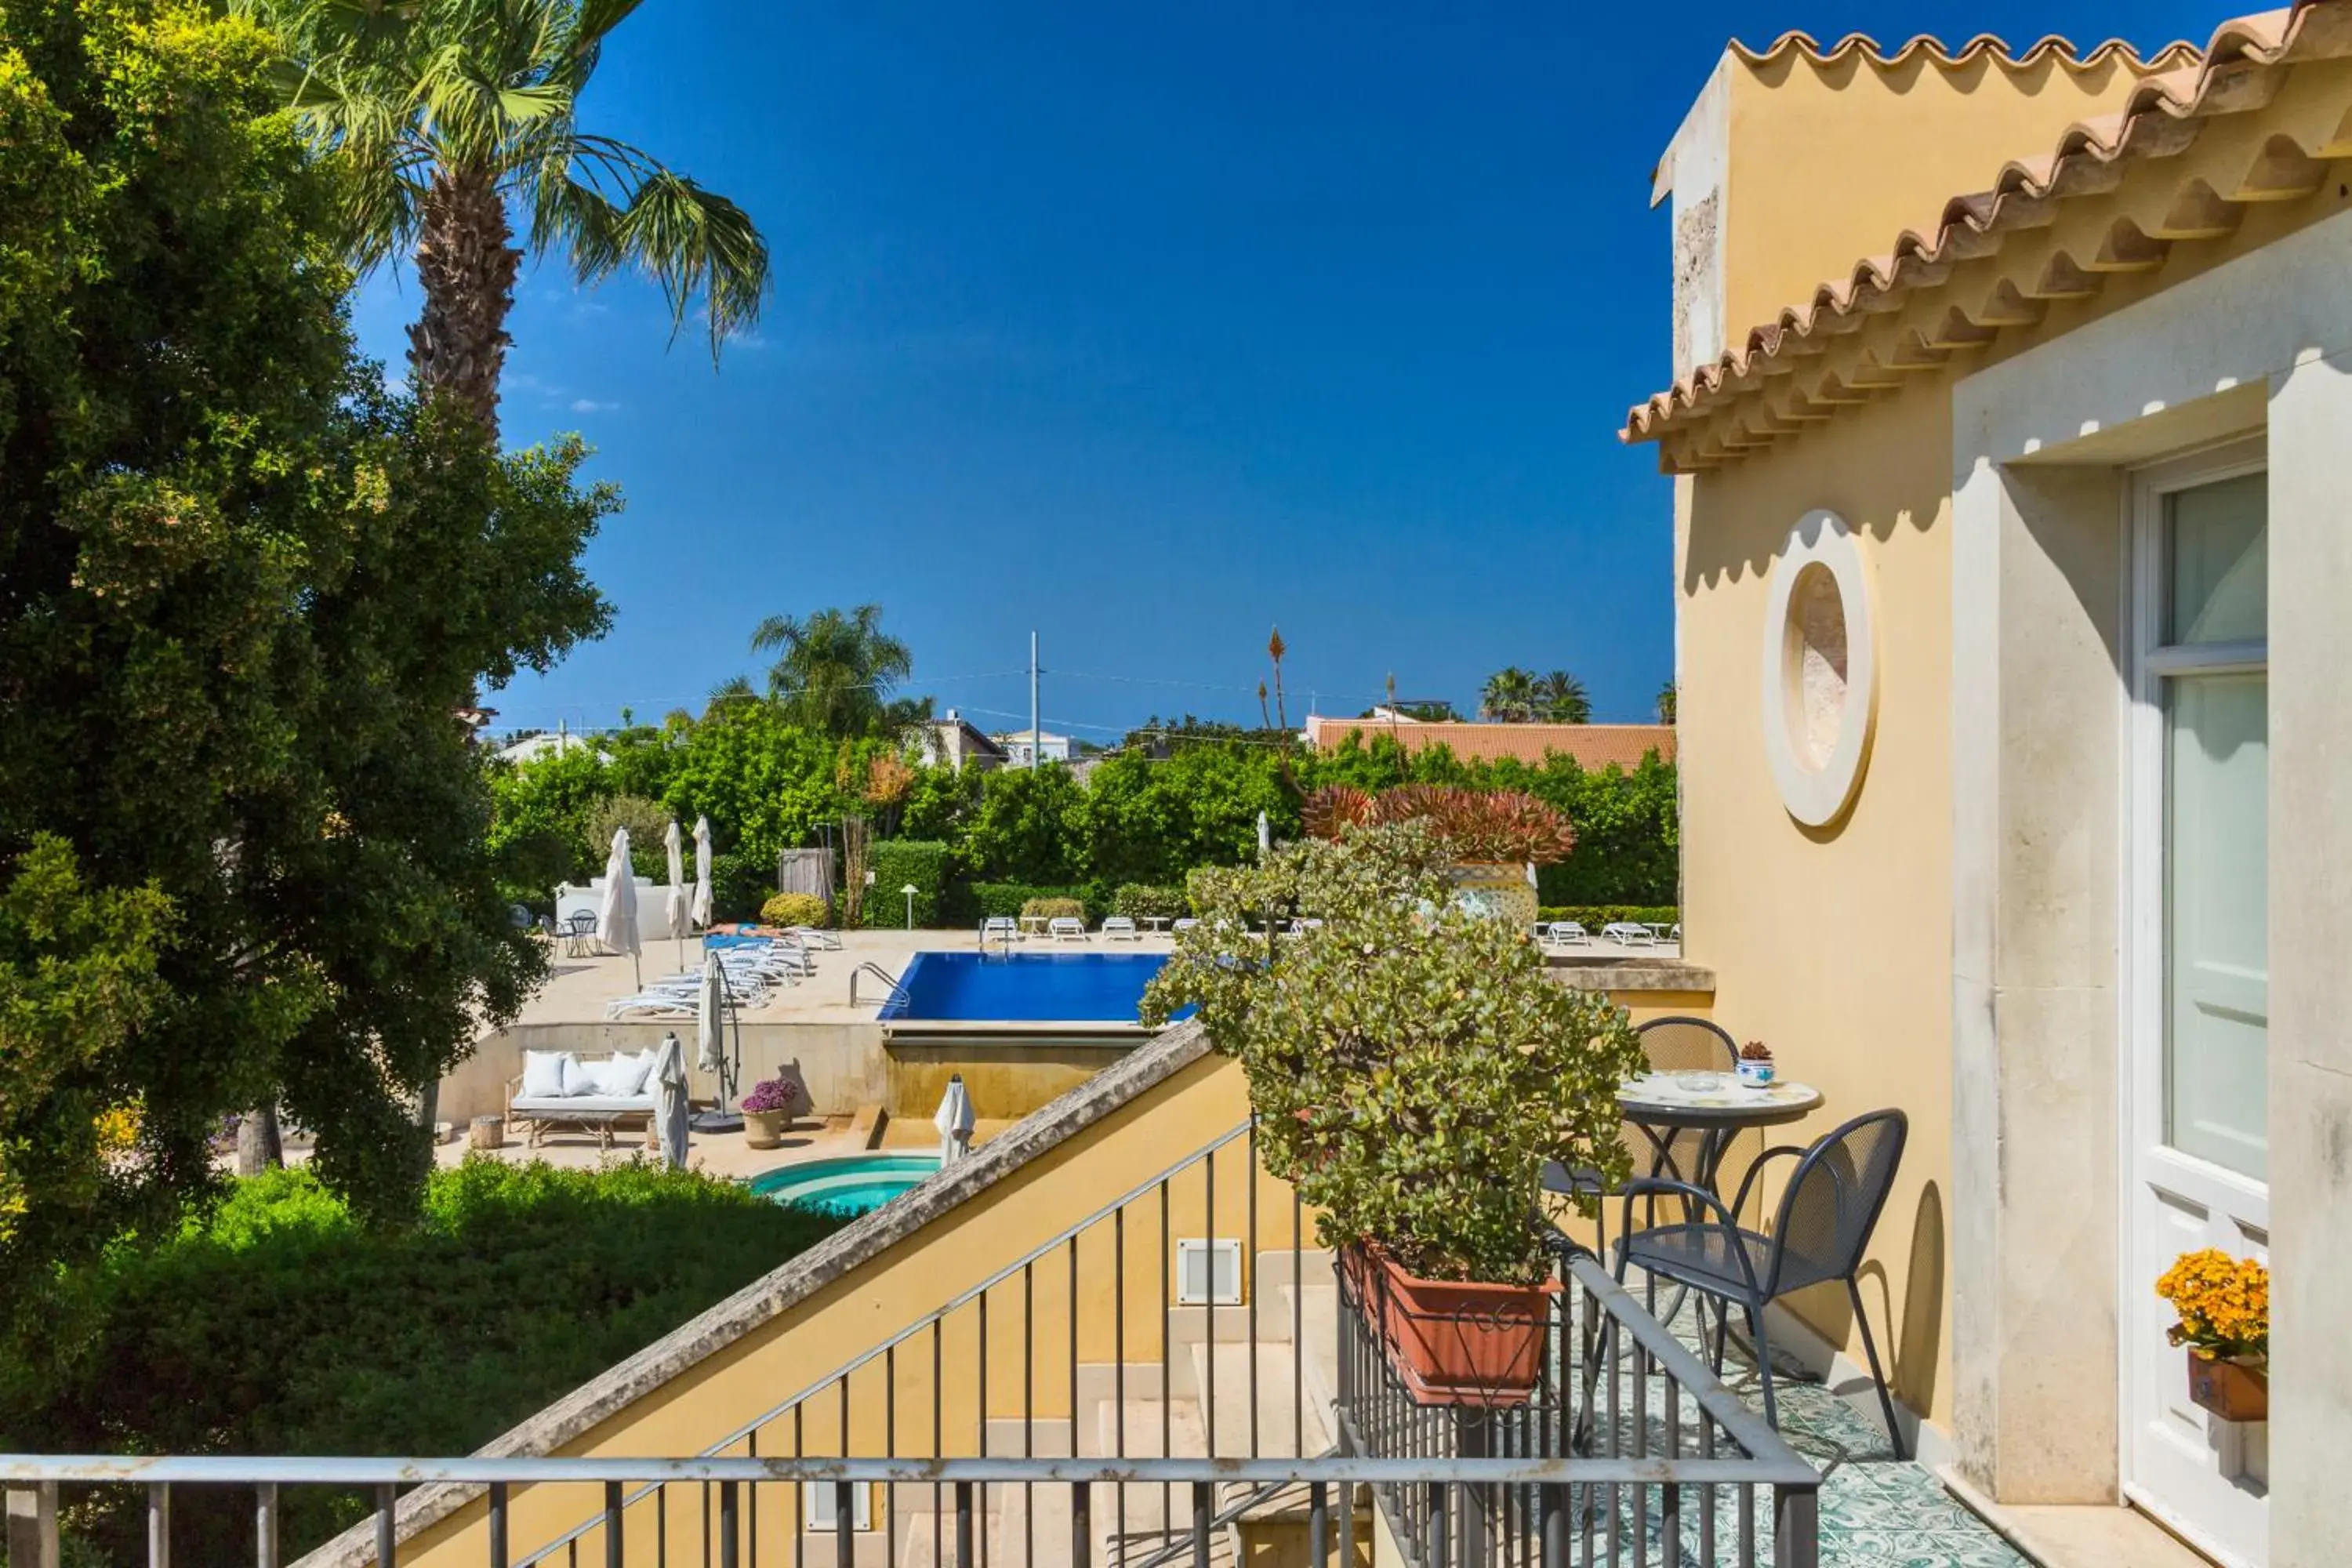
{"x":1592,"y":917}
{"x":1141,"y":901}
{"x":740,"y":884}
{"x":986,"y":899}
{"x":898,"y":863}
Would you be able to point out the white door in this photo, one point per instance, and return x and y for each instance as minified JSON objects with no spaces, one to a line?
{"x":2197,"y":1144}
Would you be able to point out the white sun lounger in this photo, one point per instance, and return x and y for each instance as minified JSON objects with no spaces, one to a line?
{"x":999,"y":927}
{"x":1120,"y":927}
{"x":1065,"y":928}
{"x":1627,"y":934}
{"x":1566,"y":933}
{"x":653,"y":1005}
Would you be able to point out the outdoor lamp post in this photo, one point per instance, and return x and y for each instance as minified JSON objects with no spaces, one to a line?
{"x":909,"y":891}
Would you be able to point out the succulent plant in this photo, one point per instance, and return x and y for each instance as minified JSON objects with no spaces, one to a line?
{"x":1754,"y":1051}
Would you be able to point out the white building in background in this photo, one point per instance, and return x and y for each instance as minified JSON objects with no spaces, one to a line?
{"x":548,"y":744}
{"x":1050,"y":747}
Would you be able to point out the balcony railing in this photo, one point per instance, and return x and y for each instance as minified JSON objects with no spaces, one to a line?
{"x":1180,"y":1377}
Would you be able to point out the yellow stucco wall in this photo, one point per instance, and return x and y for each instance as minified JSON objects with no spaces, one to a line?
{"x":1835,"y":946}
{"x":1828,"y":163}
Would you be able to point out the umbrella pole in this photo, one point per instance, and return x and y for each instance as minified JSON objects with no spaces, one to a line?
{"x":636,"y":969}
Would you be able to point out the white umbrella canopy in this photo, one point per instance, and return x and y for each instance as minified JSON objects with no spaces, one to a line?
{"x":616,"y":918}
{"x":677,"y":911}
{"x":670,"y":1100}
{"x":701,"y":910}
{"x":954,"y":1120}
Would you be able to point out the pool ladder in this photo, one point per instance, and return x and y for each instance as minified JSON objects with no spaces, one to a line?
{"x":875,"y":970}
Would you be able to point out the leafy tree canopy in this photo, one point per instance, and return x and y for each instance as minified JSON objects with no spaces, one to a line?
{"x":242,"y":590}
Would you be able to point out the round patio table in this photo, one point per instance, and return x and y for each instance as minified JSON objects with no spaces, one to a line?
{"x":1156,"y":922}
{"x":1662,"y":1104}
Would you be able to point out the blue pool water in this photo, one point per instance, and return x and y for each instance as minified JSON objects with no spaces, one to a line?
{"x":853,"y":1184}
{"x":1042,"y":987}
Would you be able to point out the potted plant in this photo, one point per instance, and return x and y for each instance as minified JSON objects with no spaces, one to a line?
{"x":1412,"y":1066}
{"x":768,"y":1109}
{"x":1496,"y":838}
{"x":2224,"y":1304}
{"x":1755,"y":1069}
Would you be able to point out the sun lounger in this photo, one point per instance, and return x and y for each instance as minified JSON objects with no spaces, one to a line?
{"x":1625,"y":934}
{"x":653,"y":1005}
{"x":1187,"y":923}
{"x":1065,"y":928}
{"x":1120,"y":927}
{"x":1566,"y":933}
{"x":592,"y":1110}
{"x":999,"y":927}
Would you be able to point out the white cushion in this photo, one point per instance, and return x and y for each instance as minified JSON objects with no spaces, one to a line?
{"x":624,"y":1075}
{"x":542,"y":1074}
{"x":581,"y":1078}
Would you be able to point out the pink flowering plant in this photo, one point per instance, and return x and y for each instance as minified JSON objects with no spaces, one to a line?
{"x":775,"y":1094}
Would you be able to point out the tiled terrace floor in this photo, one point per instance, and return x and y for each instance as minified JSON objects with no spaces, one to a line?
{"x":1876,"y":1511}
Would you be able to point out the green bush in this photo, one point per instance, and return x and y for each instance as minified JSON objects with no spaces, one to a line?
{"x":1592,"y":917}
{"x":1054,"y":910}
{"x":283,"y":1324}
{"x":1411,"y":1072}
{"x":740,"y":884}
{"x":898,"y":863}
{"x":989,"y":899}
{"x":792,"y":910}
{"x":646,"y":823}
{"x":1141,"y":901}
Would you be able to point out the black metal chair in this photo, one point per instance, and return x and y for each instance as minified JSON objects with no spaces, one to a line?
{"x":1824,"y":1226}
{"x":1671,"y":1045}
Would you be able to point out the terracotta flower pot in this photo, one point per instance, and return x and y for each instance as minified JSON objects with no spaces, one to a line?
{"x":765,"y":1129}
{"x":2233,"y":1390}
{"x":1455,"y":1341}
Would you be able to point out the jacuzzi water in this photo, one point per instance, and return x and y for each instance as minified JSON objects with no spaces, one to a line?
{"x":1032,"y":987}
{"x":850,"y":1185}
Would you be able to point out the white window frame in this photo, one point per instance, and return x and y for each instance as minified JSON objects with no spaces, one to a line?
{"x":1213,"y":1254}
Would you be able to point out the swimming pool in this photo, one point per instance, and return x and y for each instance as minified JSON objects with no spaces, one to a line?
{"x":851,"y":1185}
{"x":1039,"y":987}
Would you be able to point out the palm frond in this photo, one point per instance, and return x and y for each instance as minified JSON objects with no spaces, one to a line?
{"x":697,"y":244}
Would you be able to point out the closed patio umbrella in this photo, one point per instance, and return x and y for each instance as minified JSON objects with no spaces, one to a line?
{"x":678,"y":895}
{"x":701,"y":911}
{"x":616,"y":917}
{"x":670,"y":1100}
{"x":954,"y":1121}
{"x":710,"y":1047}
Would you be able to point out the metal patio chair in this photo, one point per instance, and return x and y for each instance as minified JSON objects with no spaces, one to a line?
{"x":1671,"y":1045}
{"x":1819,"y":1235}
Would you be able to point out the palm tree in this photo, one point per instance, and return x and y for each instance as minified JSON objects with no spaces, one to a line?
{"x":451,"y":120}
{"x":1509,"y":696}
{"x":837,"y":669}
{"x":1560,"y":698}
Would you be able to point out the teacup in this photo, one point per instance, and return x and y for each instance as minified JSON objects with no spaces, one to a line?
{"x":1755,"y":1074}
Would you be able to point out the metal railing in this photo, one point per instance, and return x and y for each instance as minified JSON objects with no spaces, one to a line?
{"x":868,"y":966}
{"x":1140,"y":1390}
{"x":1663,"y":1463}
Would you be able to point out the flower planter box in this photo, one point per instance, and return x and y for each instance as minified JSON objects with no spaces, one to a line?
{"x":765,"y":1129}
{"x":2233,"y":1390}
{"x":1453,"y":1341}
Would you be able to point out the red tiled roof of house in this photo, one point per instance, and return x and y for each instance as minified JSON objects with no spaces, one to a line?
{"x":2241,"y":68}
{"x":1592,"y":745}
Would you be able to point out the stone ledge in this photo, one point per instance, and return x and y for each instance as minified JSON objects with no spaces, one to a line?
{"x":2075,"y":1535}
{"x":1630,"y":973}
{"x":581,"y":1411}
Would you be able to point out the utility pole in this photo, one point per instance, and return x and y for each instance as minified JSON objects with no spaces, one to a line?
{"x":1036,"y":735}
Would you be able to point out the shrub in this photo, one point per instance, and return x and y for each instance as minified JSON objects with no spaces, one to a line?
{"x":986,"y":899}
{"x":283,"y":1323}
{"x":901,"y":862}
{"x":645,"y":821}
{"x":740,"y":884}
{"x":1141,"y":901}
{"x":1592,"y":917}
{"x":1054,"y":910}
{"x":1411,"y":1064}
{"x":792,"y":910}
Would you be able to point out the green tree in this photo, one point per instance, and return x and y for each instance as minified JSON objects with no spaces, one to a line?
{"x":1508,"y":696}
{"x":836,"y":670}
{"x":447,"y":119}
{"x":242,"y":591}
{"x":1666,"y":703}
{"x":1559,"y":699}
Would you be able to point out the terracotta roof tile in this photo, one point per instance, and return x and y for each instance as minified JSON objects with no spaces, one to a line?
{"x":2239,"y":70}
{"x":1592,"y":745}
{"x":1853,"y":43}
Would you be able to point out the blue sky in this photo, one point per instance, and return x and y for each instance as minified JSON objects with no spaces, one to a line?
{"x":1149,"y":327}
